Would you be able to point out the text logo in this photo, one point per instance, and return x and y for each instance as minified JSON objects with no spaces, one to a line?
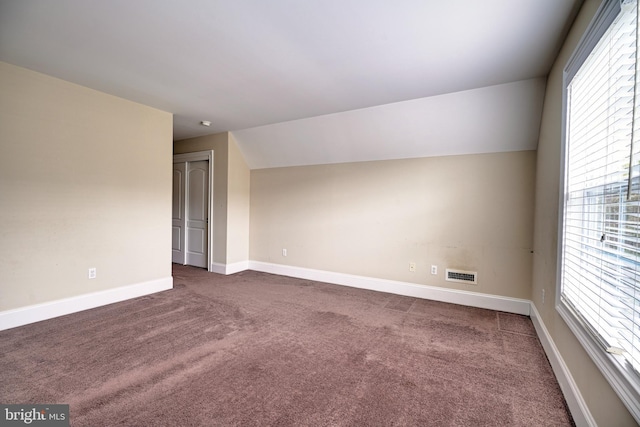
{"x":34,"y":415}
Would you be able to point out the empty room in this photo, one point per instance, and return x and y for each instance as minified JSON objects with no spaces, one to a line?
{"x":319,"y":213}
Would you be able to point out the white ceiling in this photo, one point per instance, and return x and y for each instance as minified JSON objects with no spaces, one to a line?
{"x":247,"y":64}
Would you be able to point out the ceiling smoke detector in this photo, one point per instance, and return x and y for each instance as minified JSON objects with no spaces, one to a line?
{"x":205,"y":123}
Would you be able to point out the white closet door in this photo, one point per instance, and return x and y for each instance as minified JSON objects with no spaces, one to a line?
{"x":178,"y":211}
{"x":197,"y":221}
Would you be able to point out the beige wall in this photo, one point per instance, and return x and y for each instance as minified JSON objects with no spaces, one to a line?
{"x":238,"y":205}
{"x":372,"y":219}
{"x":85,"y":181}
{"x":231,"y":195}
{"x":601,"y":400}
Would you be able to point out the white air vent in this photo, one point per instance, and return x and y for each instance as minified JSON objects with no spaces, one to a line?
{"x":469,"y":277}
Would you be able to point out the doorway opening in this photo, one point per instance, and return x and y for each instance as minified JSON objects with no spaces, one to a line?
{"x":192,"y":209}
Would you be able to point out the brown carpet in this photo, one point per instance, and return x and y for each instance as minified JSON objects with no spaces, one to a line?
{"x":254,"y":349}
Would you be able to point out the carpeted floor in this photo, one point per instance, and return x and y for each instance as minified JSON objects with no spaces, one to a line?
{"x":254,"y":349}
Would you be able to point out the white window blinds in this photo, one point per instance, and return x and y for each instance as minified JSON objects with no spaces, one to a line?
{"x":601,"y":233}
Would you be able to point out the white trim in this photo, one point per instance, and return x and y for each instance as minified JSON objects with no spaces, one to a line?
{"x":237,"y":267}
{"x":227,"y":269}
{"x":577,"y":406}
{"x":216,"y":267}
{"x":473,"y":299}
{"x":35,"y":313}
{"x":605,"y":15}
{"x":194,"y":157}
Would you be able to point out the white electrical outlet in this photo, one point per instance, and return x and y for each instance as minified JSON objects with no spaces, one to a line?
{"x":284,"y":252}
{"x":92,"y":273}
{"x":412,"y":266}
{"x":543,"y":297}
{"x":434,"y":269}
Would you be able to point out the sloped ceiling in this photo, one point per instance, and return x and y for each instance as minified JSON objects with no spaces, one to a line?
{"x":486,"y":120}
{"x":313,"y":81}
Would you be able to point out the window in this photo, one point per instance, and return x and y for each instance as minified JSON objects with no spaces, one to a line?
{"x":599,"y":292}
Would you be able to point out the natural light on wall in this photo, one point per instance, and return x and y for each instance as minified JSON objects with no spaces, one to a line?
{"x":600,"y":240}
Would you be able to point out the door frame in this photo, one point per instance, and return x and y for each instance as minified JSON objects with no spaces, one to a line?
{"x":195,"y":157}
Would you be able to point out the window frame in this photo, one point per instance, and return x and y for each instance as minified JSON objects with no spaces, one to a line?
{"x":624,"y":381}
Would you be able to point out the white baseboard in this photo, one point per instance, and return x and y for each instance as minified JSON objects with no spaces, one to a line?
{"x":216,"y":267}
{"x":237,"y":267}
{"x":577,"y":406}
{"x":37,"y":312}
{"x":227,"y":269}
{"x":473,"y":299}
